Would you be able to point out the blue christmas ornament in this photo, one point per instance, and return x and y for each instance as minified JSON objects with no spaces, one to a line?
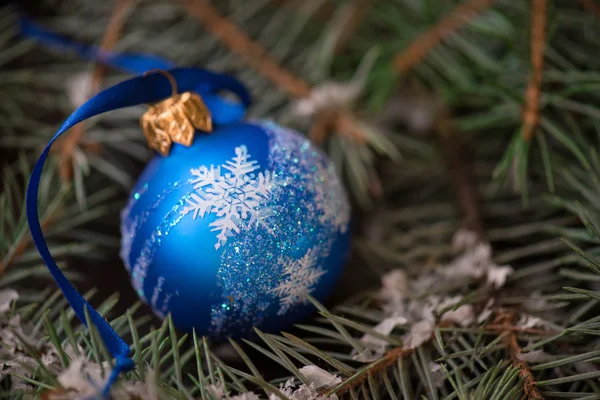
{"x":236,"y":230}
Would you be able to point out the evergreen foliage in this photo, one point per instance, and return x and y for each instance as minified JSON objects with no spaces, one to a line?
{"x":487,"y":332}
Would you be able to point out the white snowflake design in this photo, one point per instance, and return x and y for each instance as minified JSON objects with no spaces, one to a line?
{"x":298,"y":280}
{"x":232,"y":196}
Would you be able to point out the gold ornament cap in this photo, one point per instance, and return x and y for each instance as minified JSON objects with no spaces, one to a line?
{"x":175,"y":119}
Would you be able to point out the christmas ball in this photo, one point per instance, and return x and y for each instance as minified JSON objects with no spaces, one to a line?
{"x":235,"y":231}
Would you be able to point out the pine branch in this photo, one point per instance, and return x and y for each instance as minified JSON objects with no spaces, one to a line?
{"x":419,"y":48}
{"x":253,"y":53}
{"x":514,"y":350}
{"x":372,"y":370}
{"x":258,"y":58}
{"x":531,"y":115}
{"x":354,"y":14}
{"x":25,"y":240}
{"x":66,"y":147}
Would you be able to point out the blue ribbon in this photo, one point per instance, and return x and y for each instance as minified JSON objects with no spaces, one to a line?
{"x":139,"y":90}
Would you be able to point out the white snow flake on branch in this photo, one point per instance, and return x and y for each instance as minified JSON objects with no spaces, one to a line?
{"x":7,"y":296}
{"x":375,"y":347}
{"x":302,"y":392}
{"x":535,"y":357}
{"x":299,"y":277}
{"x":79,"y":88}
{"x":329,"y":95}
{"x":411,"y":301}
{"x":83,"y":377}
{"x":319,"y":377}
{"x":496,"y":275}
{"x":463,"y":315}
{"x":529,"y":322}
{"x":232,"y":196}
{"x":419,"y":333}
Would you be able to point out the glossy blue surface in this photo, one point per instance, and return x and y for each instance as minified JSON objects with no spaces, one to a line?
{"x":236,"y":230}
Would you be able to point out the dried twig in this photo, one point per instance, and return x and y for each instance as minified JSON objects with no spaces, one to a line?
{"x":531,"y":115}
{"x":75,"y":137}
{"x":356,"y":11}
{"x":253,"y":53}
{"x":24,"y":241}
{"x":430,"y":39}
{"x":258,"y":58}
{"x":389,"y":359}
{"x":501,"y":325}
{"x":511,"y":339}
{"x":465,"y":190}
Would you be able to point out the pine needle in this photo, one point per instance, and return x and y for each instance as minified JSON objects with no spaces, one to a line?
{"x":514,"y":350}
{"x":241,"y":44}
{"x":419,"y":48}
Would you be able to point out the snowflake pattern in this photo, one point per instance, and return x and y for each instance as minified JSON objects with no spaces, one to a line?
{"x":233,"y":196}
{"x":298,"y":280}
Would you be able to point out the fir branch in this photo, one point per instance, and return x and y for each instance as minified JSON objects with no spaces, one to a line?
{"x":419,"y":48}
{"x":514,"y":350}
{"x":531,"y":115}
{"x":253,"y":53}
{"x":25,"y":240}
{"x":66,"y":147}
{"x":258,"y":58}
{"x":374,"y":369}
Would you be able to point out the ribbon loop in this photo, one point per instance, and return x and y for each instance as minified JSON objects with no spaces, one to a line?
{"x":139,"y":90}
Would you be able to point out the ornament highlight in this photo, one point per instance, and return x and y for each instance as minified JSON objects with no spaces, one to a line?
{"x":237,"y":230}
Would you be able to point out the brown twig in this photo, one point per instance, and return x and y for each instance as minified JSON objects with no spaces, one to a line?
{"x":258,"y":58}
{"x":24,"y":241}
{"x":389,"y":359}
{"x":419,"y":48}
{"x":465,"y":190}
{"x":591,"y":6}
{"x":76,"y":136}
{"x":253,"y":53}
{"x":531,"y":114}
{"x":508,"y":317}
{"x":356,"y":12}
{"x":503,"y":324}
